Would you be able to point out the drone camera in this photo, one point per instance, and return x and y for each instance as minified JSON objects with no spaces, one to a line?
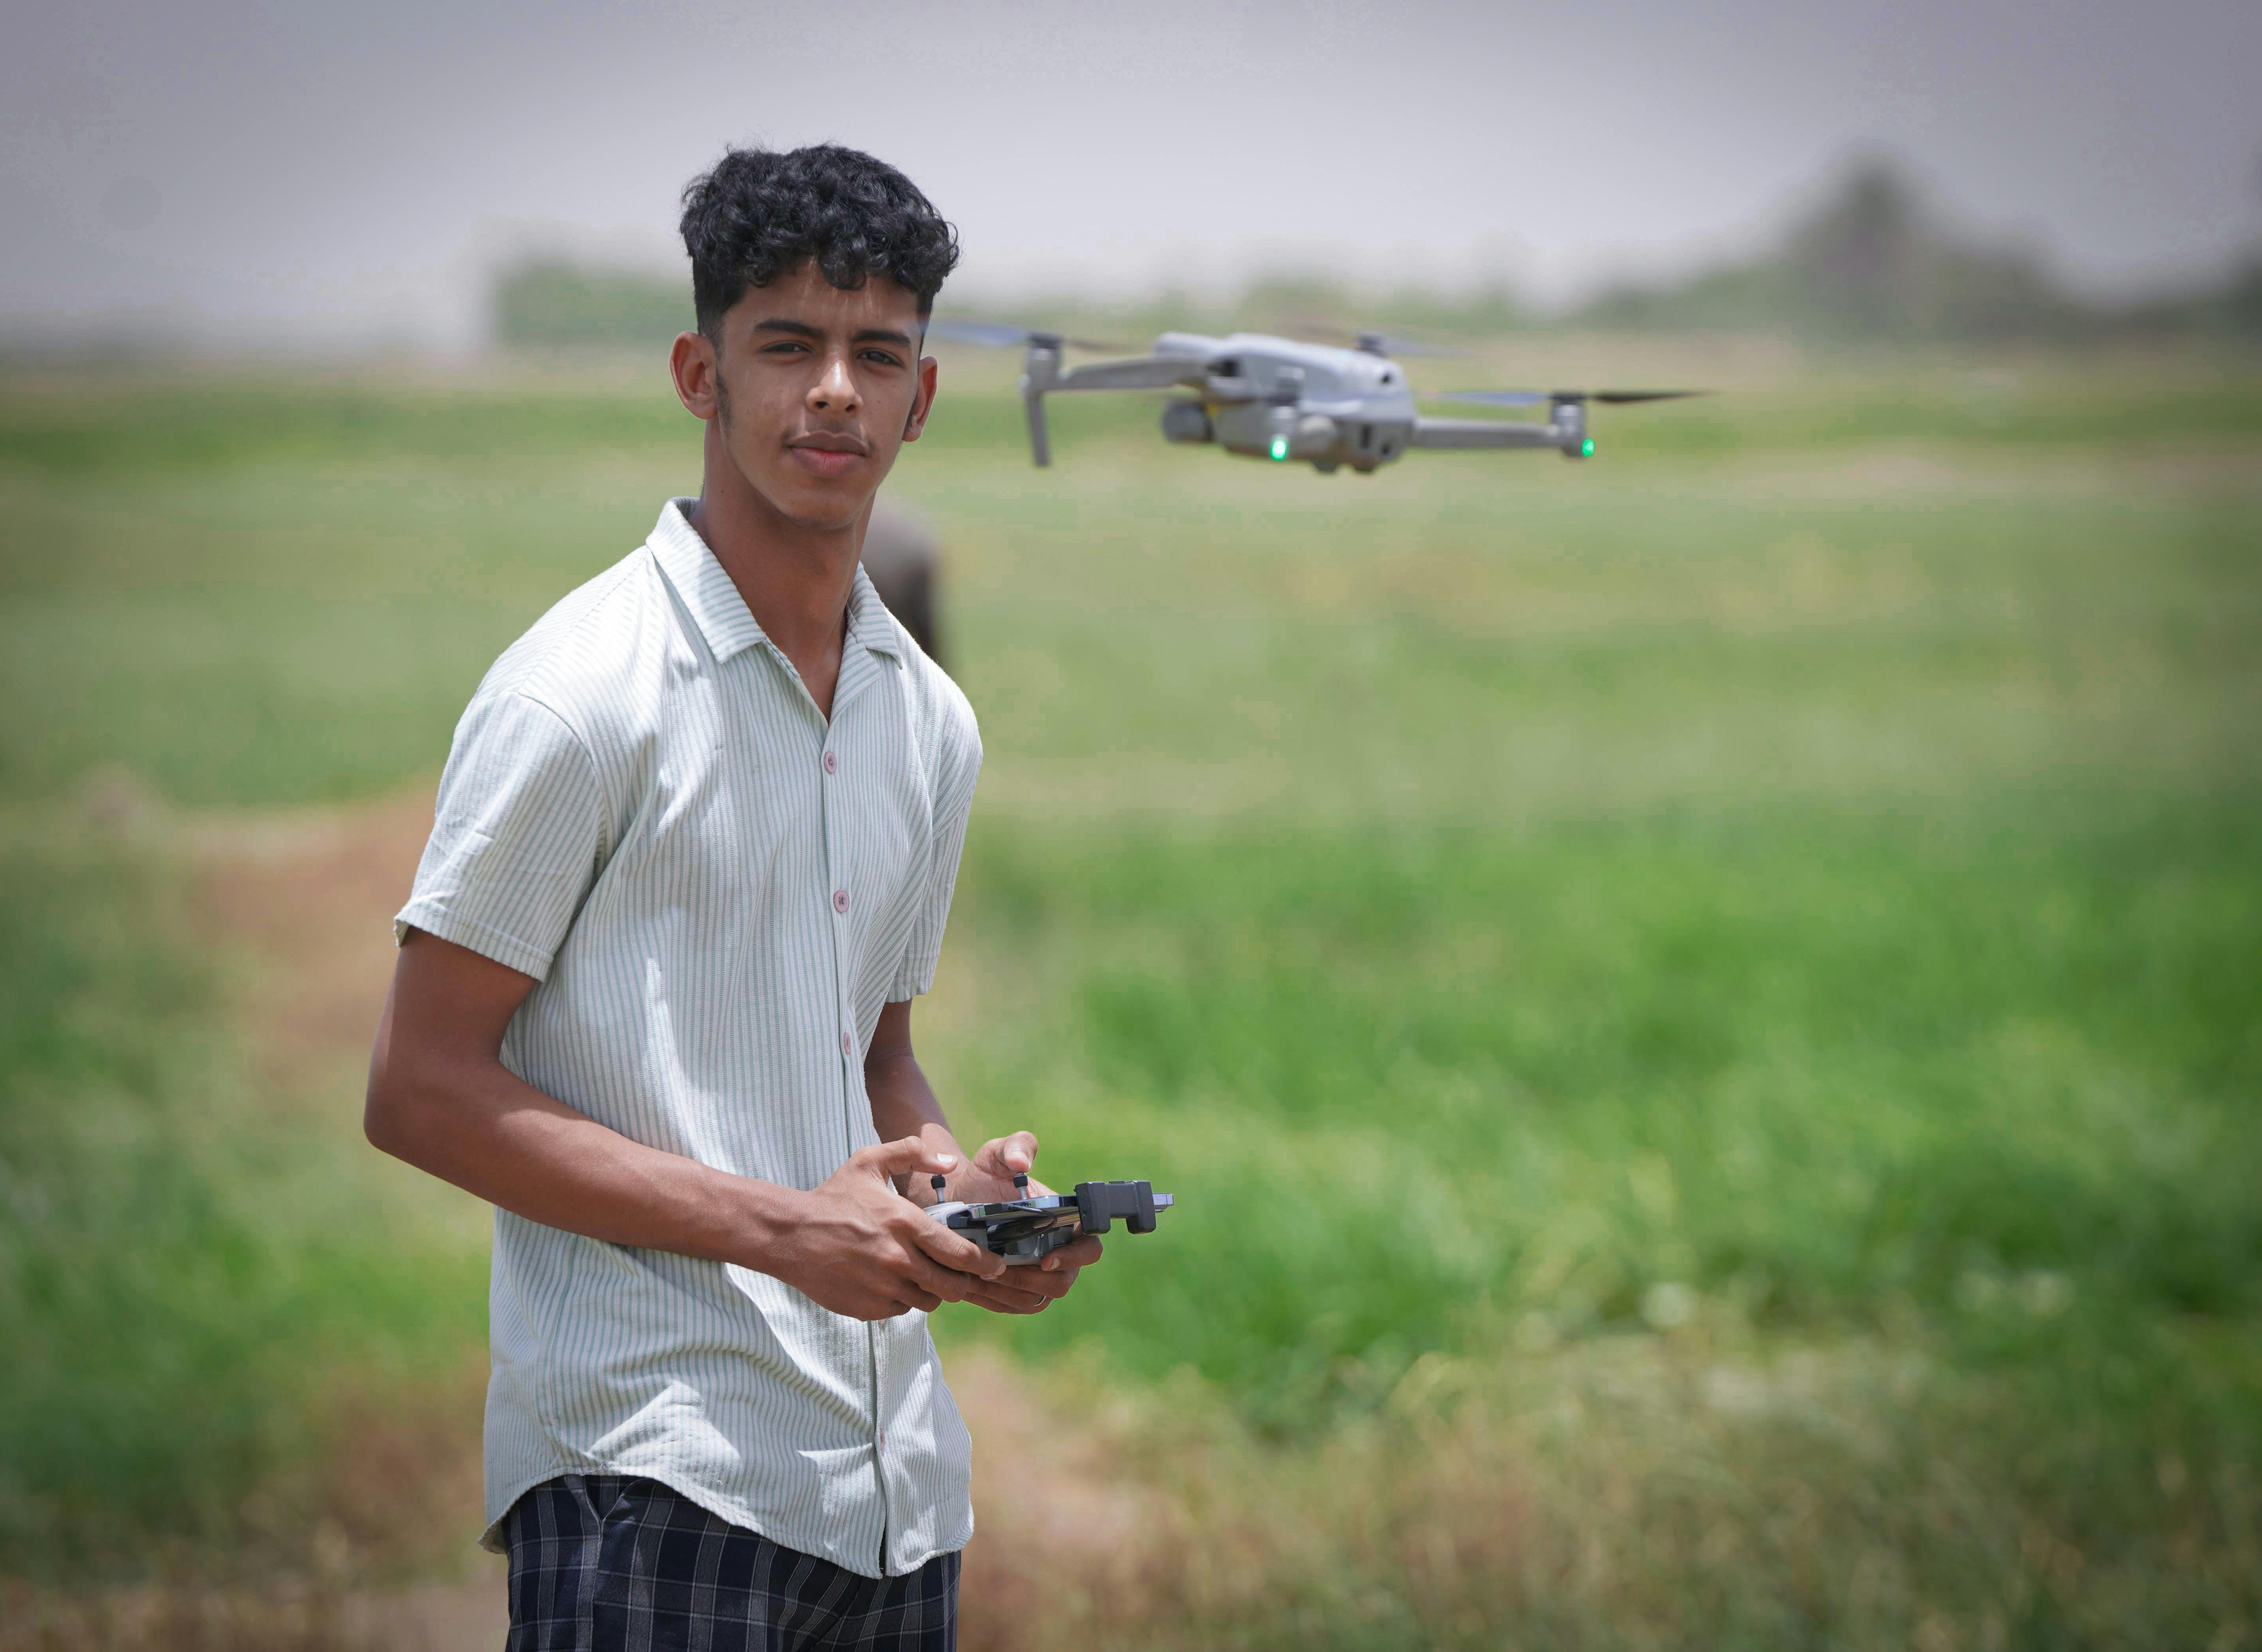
{"x":1187,"y":421}
{"x":1317,"y":436}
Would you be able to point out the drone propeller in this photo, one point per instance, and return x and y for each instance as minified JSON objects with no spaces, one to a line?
{"x":1489,"y":398}
{"x":999,"y":335}
{"x":1398,"y":344}
{"x":1366,"y":339}
{"x":1533,"y":398}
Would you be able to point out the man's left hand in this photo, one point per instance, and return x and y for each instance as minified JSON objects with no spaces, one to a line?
{"x":988,"y":1175}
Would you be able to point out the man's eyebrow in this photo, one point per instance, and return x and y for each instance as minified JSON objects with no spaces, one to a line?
{"x":804,"y":330}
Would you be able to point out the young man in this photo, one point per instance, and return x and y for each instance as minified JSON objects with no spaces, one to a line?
{"x":692,"y":859}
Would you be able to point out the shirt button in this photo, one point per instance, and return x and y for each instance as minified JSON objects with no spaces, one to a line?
{"x":831,"y":763}
{"x":848,"y":1044}
{"x":840,"y":900}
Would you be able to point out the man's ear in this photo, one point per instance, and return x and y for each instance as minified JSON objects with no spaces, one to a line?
{"x":691,"y":363}
{"x":922,"y":399}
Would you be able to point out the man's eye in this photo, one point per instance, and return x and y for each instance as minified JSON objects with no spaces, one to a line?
{"x":883,"y":358}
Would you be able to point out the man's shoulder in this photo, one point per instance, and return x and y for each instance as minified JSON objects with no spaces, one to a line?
{"x":938,"y":707}
{"x":583,"y":658}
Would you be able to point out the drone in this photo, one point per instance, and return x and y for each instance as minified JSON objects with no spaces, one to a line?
{"x":1288,"y":400}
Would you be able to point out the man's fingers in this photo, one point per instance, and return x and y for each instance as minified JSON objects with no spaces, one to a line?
{"x":1081,"y":1252}
{"x":1053,"y":1283}
{"x":904,"y":1158}
{"x":1011,"y":1289}
{"x":954,"y":1250}
{"x":1002,"y":1298}
{"x":1020,"y":1305}
{"x":931,"y":1279}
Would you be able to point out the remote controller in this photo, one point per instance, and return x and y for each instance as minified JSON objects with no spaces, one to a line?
{"x":1025,"y":1230}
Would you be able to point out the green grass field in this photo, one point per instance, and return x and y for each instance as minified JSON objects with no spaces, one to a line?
{"x":1785,"y":897}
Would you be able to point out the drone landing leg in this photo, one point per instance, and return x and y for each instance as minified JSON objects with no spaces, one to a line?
{"x":1040,"y":373}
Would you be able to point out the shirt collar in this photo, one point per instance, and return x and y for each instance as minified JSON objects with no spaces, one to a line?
{"x":720,"y":612}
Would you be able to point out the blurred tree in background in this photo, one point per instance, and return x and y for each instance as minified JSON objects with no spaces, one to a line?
{"x":554,"y":303}
{"x":1873,"y":262}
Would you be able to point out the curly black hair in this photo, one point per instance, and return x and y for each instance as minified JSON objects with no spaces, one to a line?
{"x":761,"y":214}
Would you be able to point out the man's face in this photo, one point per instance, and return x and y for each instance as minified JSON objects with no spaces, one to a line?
{"x":814,"y":390}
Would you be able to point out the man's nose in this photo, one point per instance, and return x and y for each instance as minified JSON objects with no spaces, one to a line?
{"x":835,"y":390}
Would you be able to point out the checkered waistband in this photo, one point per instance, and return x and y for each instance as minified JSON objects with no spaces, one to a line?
{"x":610,"y":1563}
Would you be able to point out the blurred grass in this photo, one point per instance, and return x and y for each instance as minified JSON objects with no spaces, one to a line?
{"x":1792,"y":884}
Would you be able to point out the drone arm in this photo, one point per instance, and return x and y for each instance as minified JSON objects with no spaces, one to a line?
{"x":1044,"y":376}
{"x":1482,"y":433}
{"x":1139,"y":372}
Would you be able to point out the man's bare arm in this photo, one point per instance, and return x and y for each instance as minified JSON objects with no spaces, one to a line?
{"x":903,"y":1105}
{"x":440,"y":1098}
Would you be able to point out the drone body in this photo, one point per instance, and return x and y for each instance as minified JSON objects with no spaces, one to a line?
{"x":1283,"y":400}
{"x":1260,"y":397}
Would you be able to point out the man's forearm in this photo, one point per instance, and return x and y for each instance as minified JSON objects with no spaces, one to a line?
{"x":904,"y":1104}
{"x":441,"y":1098}
{"x":481,"y":1127}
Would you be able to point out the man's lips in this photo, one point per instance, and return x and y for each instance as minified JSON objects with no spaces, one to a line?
{"x":827,"y":454}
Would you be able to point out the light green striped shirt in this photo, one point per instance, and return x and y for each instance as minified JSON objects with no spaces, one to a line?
{"x":715,"y":891}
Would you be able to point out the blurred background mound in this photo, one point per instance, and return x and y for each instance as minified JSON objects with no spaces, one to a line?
{"x":905,"y":563}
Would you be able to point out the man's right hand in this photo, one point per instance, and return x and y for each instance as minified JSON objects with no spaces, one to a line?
{"x":863,"y":1249}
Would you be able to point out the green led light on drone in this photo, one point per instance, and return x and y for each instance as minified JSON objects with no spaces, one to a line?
{"x":1280,"y":447}
{"x":1586,"y":449}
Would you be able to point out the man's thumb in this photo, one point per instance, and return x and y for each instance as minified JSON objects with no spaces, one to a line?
{"x":1010,"y":1155}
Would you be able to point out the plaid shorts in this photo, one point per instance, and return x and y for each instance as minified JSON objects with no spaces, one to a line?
{"x":609,"y":1563}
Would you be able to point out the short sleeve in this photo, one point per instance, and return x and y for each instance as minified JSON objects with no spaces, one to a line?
{"x":956,"y":772}
{"x":517,"y":837}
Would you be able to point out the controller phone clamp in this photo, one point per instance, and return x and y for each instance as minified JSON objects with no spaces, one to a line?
{"x":1026,"y":1229}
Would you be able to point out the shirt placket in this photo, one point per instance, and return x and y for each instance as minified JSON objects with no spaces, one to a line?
{"x":835,"y":813}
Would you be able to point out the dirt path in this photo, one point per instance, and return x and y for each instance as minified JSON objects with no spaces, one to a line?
{"x":302,"y":903}
{"x":308,"y":898}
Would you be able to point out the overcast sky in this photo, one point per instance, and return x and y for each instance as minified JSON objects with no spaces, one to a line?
{"x":331,"y":174}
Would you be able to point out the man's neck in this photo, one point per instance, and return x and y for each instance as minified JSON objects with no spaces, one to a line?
{"x":795,"y":579}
